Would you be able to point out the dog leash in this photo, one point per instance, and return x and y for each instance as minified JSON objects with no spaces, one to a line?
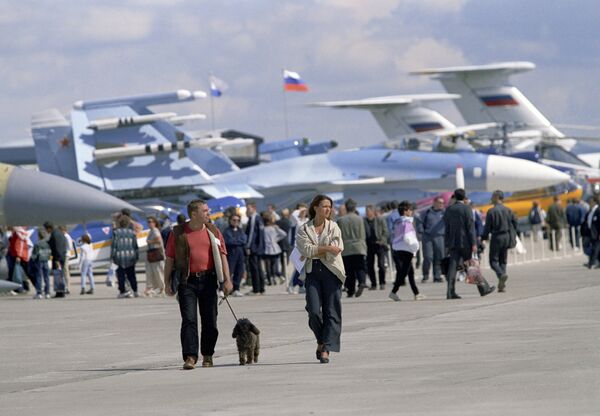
{"x":230,"y":308}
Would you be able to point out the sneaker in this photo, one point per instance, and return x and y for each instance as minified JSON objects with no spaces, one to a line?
{"x":420,"y":297}
{"x":47,"y":295}
{"x":393,"y":296}
{"x":207,"y":361}
{"x":90,"y":292}
{"x":189,"y":364}
{"x":109,"y":283}
{"x":14,"y":292}
{"x":302,"y":290}
{"x":135,"y":294}
{"x":38,"y":296}
{"x":373,"y":288}
{"x":381,"y":287}
{"x":124,"y":295}
{"x":237,"y":294}
{"x":252,"y":293}
{"x":82,"y":291}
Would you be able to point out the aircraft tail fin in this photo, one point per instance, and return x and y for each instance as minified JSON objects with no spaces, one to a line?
{"x":486,"y":95}
{"x":53,"y":140}
{"x":400,"y":115}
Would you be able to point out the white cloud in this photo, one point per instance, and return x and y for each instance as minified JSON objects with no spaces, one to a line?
{"x":115,"y":24}
{"x":438,"y":6}
{"x":363,"y":11}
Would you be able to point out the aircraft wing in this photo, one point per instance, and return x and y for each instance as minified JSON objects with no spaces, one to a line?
{"x":368,"y":103}
{"x":238,"y":190}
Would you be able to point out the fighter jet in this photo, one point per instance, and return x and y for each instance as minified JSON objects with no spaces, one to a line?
{"x":28,"y":197}
{"x":373,"y":174}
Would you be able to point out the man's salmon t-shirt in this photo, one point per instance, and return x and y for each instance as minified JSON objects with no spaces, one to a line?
{"x":201,"y":258}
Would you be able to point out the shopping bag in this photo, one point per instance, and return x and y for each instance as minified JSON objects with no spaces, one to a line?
{"x":519,"y":247}
{"x":59,"y":280}
{"x":18,"y":274}
{"x":473,"y":270}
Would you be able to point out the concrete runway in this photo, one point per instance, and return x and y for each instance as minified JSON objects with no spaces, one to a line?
{"x":532,"y":350}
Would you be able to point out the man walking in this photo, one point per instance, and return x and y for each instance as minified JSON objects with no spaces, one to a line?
{"x":590,"y":231}
{"x":501,"y":224}
{"x":196,"y":250}
{"x":255,"y":248}
{"x":377,"y":238}
{"x":460,"y":241}
{"x":355,"y":249}
{"x":432,"y":224}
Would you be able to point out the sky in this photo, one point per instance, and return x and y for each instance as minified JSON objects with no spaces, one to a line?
{"x":55,"y":53}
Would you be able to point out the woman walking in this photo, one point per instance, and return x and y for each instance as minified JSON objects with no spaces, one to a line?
{"x":404,"y":246}
{"x":320,"y":243}
{"x":154,"y":260}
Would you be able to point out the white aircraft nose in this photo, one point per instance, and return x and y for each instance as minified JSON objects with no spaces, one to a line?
{"x":512,"y":174}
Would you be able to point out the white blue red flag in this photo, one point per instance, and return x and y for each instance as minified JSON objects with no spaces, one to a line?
{"x":217,"y":86}
{"x":293,"y":82}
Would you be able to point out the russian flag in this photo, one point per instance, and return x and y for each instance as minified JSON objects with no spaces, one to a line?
{"x":293,"y":82}
{"x":498,"y":100}
{"x":217,"y":86}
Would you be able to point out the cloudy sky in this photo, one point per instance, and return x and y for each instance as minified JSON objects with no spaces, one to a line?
{"x":54,"y":53}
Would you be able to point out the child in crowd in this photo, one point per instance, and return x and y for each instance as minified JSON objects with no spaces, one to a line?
{"x":85,"y":264}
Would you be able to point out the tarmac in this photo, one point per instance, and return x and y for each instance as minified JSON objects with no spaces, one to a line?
{"x":533,"y":350}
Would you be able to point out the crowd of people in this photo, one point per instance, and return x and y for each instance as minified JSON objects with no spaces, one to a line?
{"x":260,"y":243}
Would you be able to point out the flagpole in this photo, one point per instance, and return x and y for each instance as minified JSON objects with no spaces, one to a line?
{"x":212,"y":106}
{"x":285,"y":117}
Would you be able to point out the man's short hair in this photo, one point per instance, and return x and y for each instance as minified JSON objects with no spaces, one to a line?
{"x":350,"y":205}
{"x":251,"y":204}
{"x":49,"y":225}
{"x":126,"y":211}
{"x":498,"y":194}
{"x":192,"y":206}
{"x":459,"y":194}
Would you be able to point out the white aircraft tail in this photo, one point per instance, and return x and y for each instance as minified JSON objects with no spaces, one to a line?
{"x":401,"y":115}
{"x":486,"y":95}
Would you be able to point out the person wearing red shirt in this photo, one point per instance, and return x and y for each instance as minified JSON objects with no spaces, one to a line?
{"x":199,"y":281}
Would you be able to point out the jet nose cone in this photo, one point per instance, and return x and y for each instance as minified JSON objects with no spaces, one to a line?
{"x":512,"y":174}
{"x":32,"y":197}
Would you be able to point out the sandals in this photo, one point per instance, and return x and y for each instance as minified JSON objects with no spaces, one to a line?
{"x":324,"y":359}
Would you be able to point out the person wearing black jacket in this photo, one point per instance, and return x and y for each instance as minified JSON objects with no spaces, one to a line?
{"x":59,"y":246}
{"x":501,"y":224}
{"x":590,"y":231}
{"x":460,"y":241}
{"x":255,"y":248}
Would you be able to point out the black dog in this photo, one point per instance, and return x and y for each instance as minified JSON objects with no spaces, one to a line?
{"x":246,"y":336}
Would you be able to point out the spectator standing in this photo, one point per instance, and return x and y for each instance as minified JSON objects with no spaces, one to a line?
{"x":285,"y":223}
{"x":18,"y":254}
{"x":85,"y":264}
{"x":377,"y":245}
{"x":58,"y":245}
{"x":125,"y":254}
{"x":432,"y":224}
{"x":273,"y":234}
{"x":255,"y":248}
{"x":537,"y":219}
{"x":66,"y":270}
{"x":352,"y":227}
{"x":155,"y":263}
{"x":590,"y":231}
{"x":557,"y":221}
{"x":575,"y":217}
{"x":40,"y":256}
{"x":235,"y":241}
